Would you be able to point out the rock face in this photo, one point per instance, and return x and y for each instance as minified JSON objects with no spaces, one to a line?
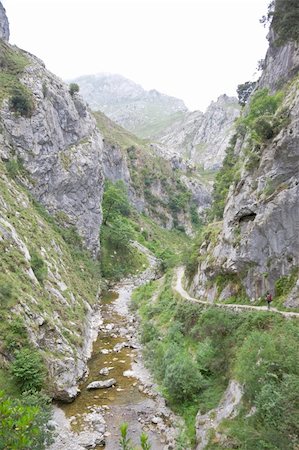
{"x":61,"y":148}
{"x":50,"y":144}
{"x":155,"y":177}
{"x":128,"y":104}
{"x":258,"y":244}
{"x":203,"y":138}
{"x":4,"y":25}
{"x":281,"y":63}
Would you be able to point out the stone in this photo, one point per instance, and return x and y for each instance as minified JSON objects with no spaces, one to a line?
{"x":104,"y":371}
{"x":101,"y":384}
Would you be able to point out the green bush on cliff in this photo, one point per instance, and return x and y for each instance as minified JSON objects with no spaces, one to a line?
{"x":21,"y":101}
{"x":28,"y":370}
{"x":285,"y":19}
{"x":38,"y":266}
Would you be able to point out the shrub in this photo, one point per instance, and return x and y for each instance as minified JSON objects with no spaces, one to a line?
{"x":38,"y":266}
{"x":24,"y":422}
{"x":182,"y":379}
{"x":74,"y":88}
{"x":28,"y":370}
{"x":21,"y":101}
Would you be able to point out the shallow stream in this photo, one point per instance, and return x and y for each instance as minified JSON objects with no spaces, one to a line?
{"x":124,"y":402}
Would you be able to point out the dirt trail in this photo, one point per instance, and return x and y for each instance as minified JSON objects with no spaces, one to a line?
{"x":178,"y":287}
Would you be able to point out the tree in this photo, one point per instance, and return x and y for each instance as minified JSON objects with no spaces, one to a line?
{"x":74,"y":88}
{"x":115,"y":201}
{"x":244,"y":90}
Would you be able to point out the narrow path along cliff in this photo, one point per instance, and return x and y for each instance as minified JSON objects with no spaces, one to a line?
{"x":178,"y":287}
{"x":127,"y":394}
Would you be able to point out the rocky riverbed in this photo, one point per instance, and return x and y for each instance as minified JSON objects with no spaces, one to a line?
{"x":125,"y":391}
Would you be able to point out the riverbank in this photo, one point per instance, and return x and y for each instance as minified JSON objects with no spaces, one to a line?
{"x":94,"y":418}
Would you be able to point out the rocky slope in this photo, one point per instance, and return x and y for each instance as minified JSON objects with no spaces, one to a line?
{"x":142,"y":112}
{"x":51,"y":155}
{"x":55,"y":139}
{"x":203,"y":137}
{"x":167,"y":189}
{"x":257,"y":247}
{"x":48,"y":289}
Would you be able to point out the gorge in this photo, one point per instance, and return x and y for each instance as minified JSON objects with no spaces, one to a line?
{"x":137,"y":253}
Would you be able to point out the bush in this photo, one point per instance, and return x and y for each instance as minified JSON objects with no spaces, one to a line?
{"x":182,"y":379}
{"x":21,"y":102}
{"x":24,"y":422}
{"x":74,"y":88}
{"x":28,"y":370}
{"x":38,"y":266}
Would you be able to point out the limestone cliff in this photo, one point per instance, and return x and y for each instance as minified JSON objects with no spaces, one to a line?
{"x":56,"y":140}
{"x":4,"y":25}
{"x":48,"y":288}
{"x":257,"y":248}
{"x":51,"y":155}
{"x":203,"y":137}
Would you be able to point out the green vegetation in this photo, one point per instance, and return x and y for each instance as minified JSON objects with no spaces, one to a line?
{"x":194,"y":350}
{"x":126,"y":443}
{"x":165,"y":194}
{"x":24,"y":422}
{"x":21,"y":101}
{"x":74,"y":88}
{"x":284,"y":17}
{"x":261,"y":120}
{"x":38,"y":266}
{"x":12,"y":65}
{"x":28,"y":370}
{"x":119,"y":257}
{"x":121,"y":225}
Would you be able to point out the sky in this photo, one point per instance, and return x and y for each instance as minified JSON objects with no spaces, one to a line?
{"x":195,"y":50}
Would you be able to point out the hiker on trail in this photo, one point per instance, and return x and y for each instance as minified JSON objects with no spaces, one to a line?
{"x":269,"y":299}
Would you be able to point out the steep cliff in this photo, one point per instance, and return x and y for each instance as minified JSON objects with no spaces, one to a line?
{"x":203,"y":137}
{"x":51,"y":155}
{"x":48,"y":288}
{"x":4,"y":25}
{"x":54,"y":137}
{"x":142,"y":112}
{"x":257,"y":247}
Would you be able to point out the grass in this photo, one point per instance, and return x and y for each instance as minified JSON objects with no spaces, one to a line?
{"x":12,"y":65}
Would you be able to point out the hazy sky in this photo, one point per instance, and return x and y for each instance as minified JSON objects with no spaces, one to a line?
{"x":192,"y":49}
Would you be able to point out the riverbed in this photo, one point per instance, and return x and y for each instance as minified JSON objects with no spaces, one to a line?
{"x":94,"y":418}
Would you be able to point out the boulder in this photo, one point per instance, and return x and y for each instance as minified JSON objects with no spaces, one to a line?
{"x":101,"y":384}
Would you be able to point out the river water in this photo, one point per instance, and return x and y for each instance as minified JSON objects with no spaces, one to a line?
{"x":134,"y":398}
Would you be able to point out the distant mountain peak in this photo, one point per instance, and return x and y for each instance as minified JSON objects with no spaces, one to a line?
{"x":143,"y":112}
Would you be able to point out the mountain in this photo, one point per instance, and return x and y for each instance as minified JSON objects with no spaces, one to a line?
{"x":256,"y":248}
{"x":144,"y":113}
{"x":204,"y":137}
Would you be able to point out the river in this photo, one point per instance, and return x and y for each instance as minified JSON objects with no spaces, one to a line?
{"x":93,"y":419}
